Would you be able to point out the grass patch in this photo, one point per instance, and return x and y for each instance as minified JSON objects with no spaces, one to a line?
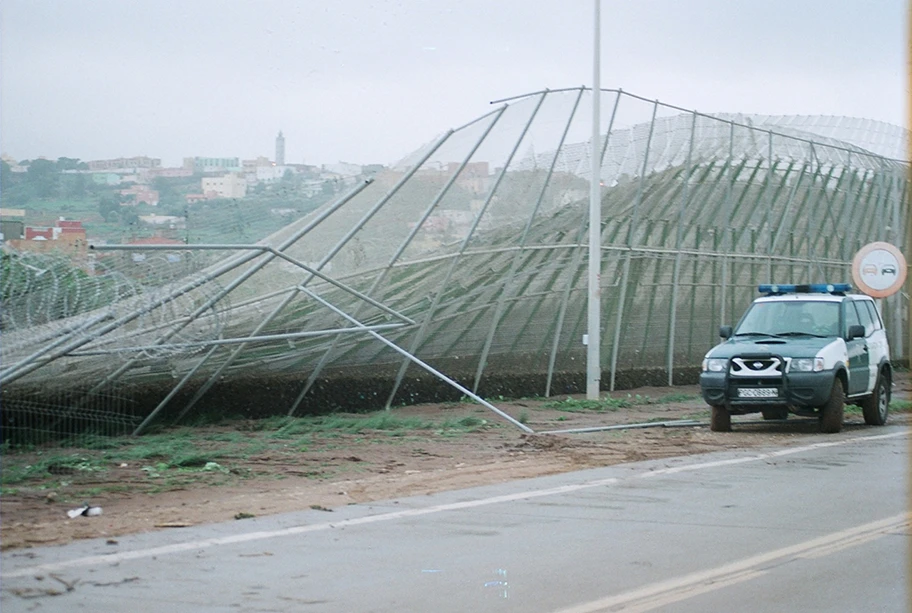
{"x":51,"y":466}
{"x":901,"y":406}
{"x":192,"y":456}
{"x":582,"y":405}
{"x":896,"y":406}
{"x":678,"y":397}
{"x":328,"y":426}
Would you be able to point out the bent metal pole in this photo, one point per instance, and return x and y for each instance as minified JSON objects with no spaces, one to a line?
{"x":417,"y":361}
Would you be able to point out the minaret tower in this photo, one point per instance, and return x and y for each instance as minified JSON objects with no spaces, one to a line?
{"x":280,"y":150}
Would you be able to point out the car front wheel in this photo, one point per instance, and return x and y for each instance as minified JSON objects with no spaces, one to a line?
{"x":831,"y":413}
{"x":721,"y":420}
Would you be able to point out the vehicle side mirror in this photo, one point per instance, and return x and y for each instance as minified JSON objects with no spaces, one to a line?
{"x":726,"y":331}
{"x":856,"y":331}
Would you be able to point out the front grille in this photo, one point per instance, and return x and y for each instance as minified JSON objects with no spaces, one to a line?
{"x":742,"y":366}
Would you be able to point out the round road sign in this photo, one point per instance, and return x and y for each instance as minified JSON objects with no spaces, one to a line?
{"x":879,"y":269}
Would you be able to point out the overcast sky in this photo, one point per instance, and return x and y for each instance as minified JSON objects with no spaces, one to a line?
{"x":368,"y":81}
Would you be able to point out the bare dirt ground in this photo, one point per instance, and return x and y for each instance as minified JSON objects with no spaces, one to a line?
{"x":241,"y":470}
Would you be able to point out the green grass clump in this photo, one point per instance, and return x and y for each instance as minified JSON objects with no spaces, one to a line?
{"x":677,"y":397}
{"x":177,"y":456}
{"x":49,"y":466}
{"x":575,"y":405}
{"x":384,"y":421}
{"x":581,"y":405}
{"x":901,"y":406}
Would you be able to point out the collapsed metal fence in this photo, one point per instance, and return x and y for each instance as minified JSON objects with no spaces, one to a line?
{"x":469,"y":257}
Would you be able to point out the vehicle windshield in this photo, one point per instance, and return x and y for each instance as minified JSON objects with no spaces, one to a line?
{"x":791,"y":317}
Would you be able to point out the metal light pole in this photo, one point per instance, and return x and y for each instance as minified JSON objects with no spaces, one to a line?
{"x":907,"y":206}
{"x":593,"y":360}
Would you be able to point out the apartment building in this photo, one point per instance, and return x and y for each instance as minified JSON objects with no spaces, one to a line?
{"x":124,"y":164}
{"x":227,"y":186}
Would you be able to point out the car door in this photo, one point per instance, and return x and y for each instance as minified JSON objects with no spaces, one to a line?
{"x":857,"y":349}
{"x":878,"y":347}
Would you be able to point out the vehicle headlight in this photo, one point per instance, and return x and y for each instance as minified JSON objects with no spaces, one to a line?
{"x":715,"y":364}
{"x":806,"y":365}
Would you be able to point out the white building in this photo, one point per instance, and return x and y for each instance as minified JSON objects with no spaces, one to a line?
{"x":226,"y":186}
{"x":271,"y":174}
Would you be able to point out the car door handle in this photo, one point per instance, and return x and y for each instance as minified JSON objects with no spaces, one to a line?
{"x":865,"y":349}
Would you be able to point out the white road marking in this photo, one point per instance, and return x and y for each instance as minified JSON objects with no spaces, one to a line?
{"x":115,"y":558}
{"x":661,"y":593}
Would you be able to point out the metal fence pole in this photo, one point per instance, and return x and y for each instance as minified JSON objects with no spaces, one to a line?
{"x":575,"y":261}
{"x":412,"y":358}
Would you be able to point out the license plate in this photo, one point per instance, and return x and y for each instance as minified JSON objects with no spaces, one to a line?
{"x":757,"y":392}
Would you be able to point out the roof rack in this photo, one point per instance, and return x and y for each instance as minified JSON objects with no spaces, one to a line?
{"x":777,"y":289}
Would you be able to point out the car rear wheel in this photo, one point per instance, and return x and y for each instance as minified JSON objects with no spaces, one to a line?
{"x":775,"y":414}
{"x":831,"y":413}
{"x":721,"y":420}
{"x":876,"y":406}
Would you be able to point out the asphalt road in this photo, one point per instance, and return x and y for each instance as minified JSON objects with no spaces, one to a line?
{"x":819,"y":527}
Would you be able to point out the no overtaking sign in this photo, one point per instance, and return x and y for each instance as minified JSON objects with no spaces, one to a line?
{"x":879,"y":269}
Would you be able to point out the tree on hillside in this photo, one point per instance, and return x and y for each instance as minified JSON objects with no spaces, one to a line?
{"x":13,"y":192}
{"x":72,"y":185}
{"x":109,"y":208}
{"x":167,"y":195}
{"x":70,"y":164}
{"x":6,"y":174}
{"x":42,"y":178}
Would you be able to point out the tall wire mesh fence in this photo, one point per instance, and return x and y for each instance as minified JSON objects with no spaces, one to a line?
{"x":470,"y":256}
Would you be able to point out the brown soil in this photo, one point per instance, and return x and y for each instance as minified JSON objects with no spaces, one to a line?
{"x":330,"y":470}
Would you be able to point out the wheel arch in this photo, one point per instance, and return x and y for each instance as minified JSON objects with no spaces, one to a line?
{"x":886,"y":368}
{"x":843,"y":375}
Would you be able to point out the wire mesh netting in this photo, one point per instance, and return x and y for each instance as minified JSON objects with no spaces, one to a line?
{"x":469,"y":256}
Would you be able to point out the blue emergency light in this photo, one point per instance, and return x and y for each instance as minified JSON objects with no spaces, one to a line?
{"x":772,"y":289}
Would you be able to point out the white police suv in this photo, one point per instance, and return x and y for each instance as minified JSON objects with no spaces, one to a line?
{"x":801,"y":349}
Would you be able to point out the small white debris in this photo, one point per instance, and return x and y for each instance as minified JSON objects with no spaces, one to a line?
{"x":86,"y":510}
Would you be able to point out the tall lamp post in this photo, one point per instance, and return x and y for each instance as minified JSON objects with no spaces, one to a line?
{"x":593,"y":360}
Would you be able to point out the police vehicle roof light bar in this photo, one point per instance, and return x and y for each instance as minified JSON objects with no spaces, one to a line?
{"x":809,"y":288}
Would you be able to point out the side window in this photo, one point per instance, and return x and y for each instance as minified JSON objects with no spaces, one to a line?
{"x":865,"y":319}
{"x":851,"y":315}
{"x":875,"y":316}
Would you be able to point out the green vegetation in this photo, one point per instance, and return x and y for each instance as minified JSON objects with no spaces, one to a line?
{"x":901,"y":406}
{"x":896,"y":406}
{"x":576,"y":405}
{"x":205,"y":455}
{"x":49,"y":189}
{"x":386,"y":421}
{"x":54,"y":464}
{"x":608,"y":403}
{"x":677,"y":397}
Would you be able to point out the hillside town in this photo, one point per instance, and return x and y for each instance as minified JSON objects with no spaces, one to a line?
{"x":61,"y":207}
